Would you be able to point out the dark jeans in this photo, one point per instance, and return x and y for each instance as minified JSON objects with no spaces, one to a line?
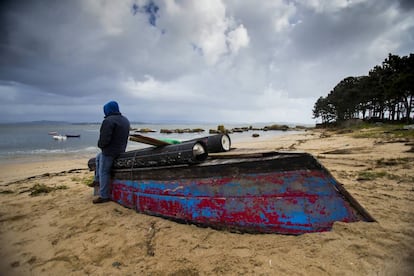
{"x":103,"y":173}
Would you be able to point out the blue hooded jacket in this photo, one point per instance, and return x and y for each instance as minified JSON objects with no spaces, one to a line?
{"x":110,"y":108}
{"x":114,"y":132}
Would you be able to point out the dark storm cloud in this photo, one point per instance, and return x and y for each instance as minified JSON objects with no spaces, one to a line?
{"x":40,"y":50}
{"x":56,"y":46}
{"x":229,"y":60}
{"x":352,"y":28}
{"x":406,"y":4}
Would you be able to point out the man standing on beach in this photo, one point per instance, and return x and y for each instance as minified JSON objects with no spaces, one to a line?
{"x":113,"y":139}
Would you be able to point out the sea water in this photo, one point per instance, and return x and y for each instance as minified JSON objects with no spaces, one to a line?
{"x":35,"y":140}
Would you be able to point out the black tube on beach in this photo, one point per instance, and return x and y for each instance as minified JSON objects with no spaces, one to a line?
{"x":187,"y":152}
{"x":190,"y":152}
{"x":216,"y":143}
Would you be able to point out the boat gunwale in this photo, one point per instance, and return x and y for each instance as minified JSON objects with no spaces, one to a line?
{"x":271,"y":160}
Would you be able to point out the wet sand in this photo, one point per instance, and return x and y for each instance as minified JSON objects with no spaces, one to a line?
{"x":62,"y":232}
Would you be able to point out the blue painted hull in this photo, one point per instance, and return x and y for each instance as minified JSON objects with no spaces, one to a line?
{"x":267,"y":193}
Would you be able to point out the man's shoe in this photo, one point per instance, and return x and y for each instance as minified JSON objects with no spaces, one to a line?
{"x":100,"y":200}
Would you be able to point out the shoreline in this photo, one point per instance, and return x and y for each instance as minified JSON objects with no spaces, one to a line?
{"x":12,"y":168}
{"x":12,"y":172}
{"x":62,"y":232}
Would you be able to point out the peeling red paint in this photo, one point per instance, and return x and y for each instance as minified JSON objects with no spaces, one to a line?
{"x":288,"y":202}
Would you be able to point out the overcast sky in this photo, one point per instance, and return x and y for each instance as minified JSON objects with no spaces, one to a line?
{"x":217,"y":61}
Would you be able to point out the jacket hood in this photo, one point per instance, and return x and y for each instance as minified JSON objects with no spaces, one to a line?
{"x":111,"y":108}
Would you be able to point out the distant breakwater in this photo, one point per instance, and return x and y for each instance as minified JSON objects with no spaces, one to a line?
{"x":221,"y":129}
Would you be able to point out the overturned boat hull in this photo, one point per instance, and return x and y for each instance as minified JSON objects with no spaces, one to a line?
{"x":272,"y":192}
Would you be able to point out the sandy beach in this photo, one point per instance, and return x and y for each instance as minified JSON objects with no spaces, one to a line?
{"x":63,"y":233}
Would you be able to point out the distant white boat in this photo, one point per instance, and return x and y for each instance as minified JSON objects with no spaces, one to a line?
{"x":59,"y":137}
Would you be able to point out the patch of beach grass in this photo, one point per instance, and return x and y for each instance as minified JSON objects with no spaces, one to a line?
{"x":394,"y":131}
{"x":372,"y":175}
{"x":374,"y":130}
{"x":405,"y":161}
{"x":86,"y":180}
{"x":38,"y":189}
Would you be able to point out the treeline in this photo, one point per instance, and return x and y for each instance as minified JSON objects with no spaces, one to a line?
{"x":386,"y":94}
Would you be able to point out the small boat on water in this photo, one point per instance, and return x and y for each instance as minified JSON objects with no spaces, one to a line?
{"x":72,"y":135}
{"x":60,"y":137}
{"x":255,"y":192}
